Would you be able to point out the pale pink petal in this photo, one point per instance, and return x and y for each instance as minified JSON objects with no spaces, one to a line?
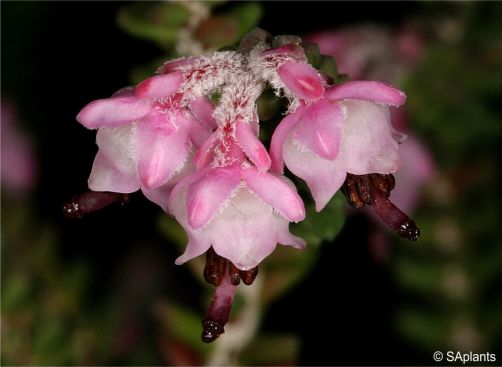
{"x":319,"y":129}
{"x":252,"y":146}
{"x":160,"y":86}
{"x":204,"y":154}
{"x":275,"y":192}
{"x":197,"y":132}
{"x":107,"y":177}
{"x":159,"y":195}
{"x":160,"y":151}
{"x":195,"y":247}
{"x":367,"y":142}
{"x":203,"y":109}
{"x":324,"y":177}
{"x":116,"y":145}
{"x":246,"y":231}
{"x":206,"y":195}
{"x":279,"y":137}
{"x":288,"y":239}
{"x":112,"y":112}
{"x":367,"y":90}
{"x":302,"y":79}
{"x":124,"y":92}
{"x":177,"y":204}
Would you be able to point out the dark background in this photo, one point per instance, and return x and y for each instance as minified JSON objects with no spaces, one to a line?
{"x":58,"y":56}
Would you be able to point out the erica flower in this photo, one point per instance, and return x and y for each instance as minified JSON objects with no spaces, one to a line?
{"x":189,"y":139}
{"x":144,"y":138}
{"x":348,"y":131}
{"x":241,"y":212}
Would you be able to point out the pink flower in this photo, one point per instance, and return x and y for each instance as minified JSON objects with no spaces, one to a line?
{"x":349,"y":130}
{"x":241,"y":212}
{"x":144,"y":138}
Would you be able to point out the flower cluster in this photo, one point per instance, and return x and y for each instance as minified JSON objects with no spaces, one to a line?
{"x":188,"y":138}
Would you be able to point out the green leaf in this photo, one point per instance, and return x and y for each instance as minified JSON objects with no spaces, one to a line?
{"x":313,"y":54}
{"x":157,"y":22}
{"x":275,"y":350}
{"x":268,"y":105}
{"x":284,"y":268}
{"x":323,"y":226}
{"x":247,"y":15}
{"x":328,"y":67}
{"x":173,"y":230}
{"x":183,"y":325}
{"x":427,"y":329}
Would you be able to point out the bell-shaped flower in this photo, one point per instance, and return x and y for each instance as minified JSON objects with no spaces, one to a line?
{"x":144,"y":138}
{"x":349,"y":130}
{"x":241,"y":212}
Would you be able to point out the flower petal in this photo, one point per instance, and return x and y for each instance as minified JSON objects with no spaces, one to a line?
{"x":288,"y":239}
{"x":195,"y":247}
{"x":161,"y":150}
{"x":177,"y":64}
{"x":203,"y":109}
{"x":160,"y":86}
{"x":279,"y":137}
{"x":159,"y":195}
{"x":252,"y":146}
{"x":367,"y":142}
{"x":105,"y":176}
{"x":206,"y":195}
{"x":324,"y":177}
{"x":275,"y":192}
{"x":319,"y":129}
{"x":198,"y":132}
{"x":111,"y":112}
{"x":288,"y":49}
{"x":246,"y":231}
{"x":117,"y":146}
{"x":302,"y":79}
{"x":367,"y":90}
{"x":204,"y":154}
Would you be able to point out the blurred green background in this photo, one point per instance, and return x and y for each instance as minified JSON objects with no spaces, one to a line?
{"x":104,"y":289}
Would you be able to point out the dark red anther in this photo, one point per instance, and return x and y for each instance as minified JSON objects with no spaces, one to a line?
{"x":349,"y":188}
{"x":383,"y":183}
{"x":248,"y":276}
{"x":215,"y":267}
{"x":364,"y":188}
{"x":234,"y":273}
{"x":92,"y":201}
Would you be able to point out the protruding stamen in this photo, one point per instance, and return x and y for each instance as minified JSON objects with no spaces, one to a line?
{"x":92,"y":201}
{"x":395,"y":218}
{"x":215,"y":267}
{"x":213,"y":324}
{"x":374,"y":189}
{"x":249,"y":276}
